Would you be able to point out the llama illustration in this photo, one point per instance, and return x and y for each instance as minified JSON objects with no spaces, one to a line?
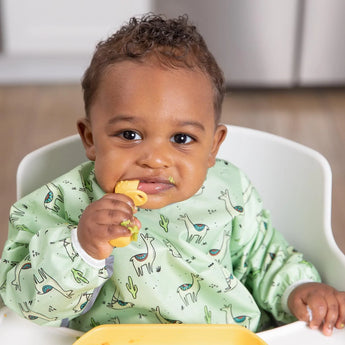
{"x":87,"y":184}
{"x":198,"y":230}
{"x":52,"y":197}
{"x":219,"y":254}
{"x":230,"y":280}
{"x":191,"y":290}
{"x":162,"y":319}
{"x":247,"y":193}
{"x":16,"y":214}
{"x":174,"y":252}
{"x":262,"y":223}
{"x":47,"y":284}
{"x":103,"y":273}
{"x":233,"y":210}
{"x":83,"y":300}
{"x":16,"y":282}
{"x":144,"y":259}
{"x":118,"y":304}
{"x":67,"y":244}
{"x":239,"y":320}
{"x":32,"y":315}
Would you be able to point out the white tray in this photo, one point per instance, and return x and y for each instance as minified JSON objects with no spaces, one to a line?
{"x":15,"y":330}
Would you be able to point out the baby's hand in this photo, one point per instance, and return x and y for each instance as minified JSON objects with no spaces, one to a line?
{"x":101,"y":222}
{"x":320,"y":305}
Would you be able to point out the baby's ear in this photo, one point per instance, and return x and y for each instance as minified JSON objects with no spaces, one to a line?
{"x":85,"y":132}
{"x":218,"y":138}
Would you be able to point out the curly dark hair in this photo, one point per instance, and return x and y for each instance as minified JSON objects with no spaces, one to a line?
{"x":173,"y":43}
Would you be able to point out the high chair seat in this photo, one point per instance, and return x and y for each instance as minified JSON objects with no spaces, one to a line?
{"x":294,"y":182}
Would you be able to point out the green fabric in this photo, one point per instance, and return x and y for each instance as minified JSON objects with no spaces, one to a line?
{"x":214,"y":258}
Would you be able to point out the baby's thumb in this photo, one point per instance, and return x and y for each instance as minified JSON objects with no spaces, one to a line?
{"x":137,"y":222}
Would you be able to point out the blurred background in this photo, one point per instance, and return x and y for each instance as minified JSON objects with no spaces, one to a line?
{"x":284,"y":64}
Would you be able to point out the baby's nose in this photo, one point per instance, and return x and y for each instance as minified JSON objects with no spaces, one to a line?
{"x":156,"y":156}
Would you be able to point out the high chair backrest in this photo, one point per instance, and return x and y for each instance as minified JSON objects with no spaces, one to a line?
{"x":293,"y":180}
{"x":295,"y":183}
{"x":48,"y":162}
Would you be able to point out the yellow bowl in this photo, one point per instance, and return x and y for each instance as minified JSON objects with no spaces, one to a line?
{"x":170,"y":334}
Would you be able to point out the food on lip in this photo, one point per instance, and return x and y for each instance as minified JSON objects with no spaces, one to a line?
{"x":130,"y":188}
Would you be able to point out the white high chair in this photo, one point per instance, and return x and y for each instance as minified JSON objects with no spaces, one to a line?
{"x":293,"y":180}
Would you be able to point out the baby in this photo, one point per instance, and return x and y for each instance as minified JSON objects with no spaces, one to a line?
{"x":206,"y":251}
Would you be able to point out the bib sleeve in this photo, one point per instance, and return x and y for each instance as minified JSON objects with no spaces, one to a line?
{"x":264,"y":261}
{"x":42,"y":276}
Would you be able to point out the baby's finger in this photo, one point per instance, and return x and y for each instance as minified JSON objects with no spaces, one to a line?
{"x":114,"y":199}
{"x":112,"y":216}
{"x":341,"y":318}
{"x":332,"y":314}
{"x":115,"y":231}
{"x":318,"y":307}
{"x":137,"y":222}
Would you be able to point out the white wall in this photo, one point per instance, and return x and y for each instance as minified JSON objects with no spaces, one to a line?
{"x":59,"y":27}
{"x":52,"y":40}
{"x":323,"y":43}
{"x":256,"y":42}
{"x":253,"y":41}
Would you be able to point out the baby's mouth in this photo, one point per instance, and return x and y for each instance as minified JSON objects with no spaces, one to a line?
{"x":154,"y":186}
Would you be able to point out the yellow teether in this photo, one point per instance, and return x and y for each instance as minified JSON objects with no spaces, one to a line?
{"x":126,"y":240}
{"x":130,"y":188}
{"x":120,"y":241}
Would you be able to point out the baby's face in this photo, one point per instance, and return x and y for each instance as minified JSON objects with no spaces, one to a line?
{"x":155,"y":125}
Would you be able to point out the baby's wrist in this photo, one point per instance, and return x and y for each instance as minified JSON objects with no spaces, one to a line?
{"x":288,"y":291}
{"x":97,"y":263}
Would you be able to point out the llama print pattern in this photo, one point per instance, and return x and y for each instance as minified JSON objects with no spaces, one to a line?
{"x":174,"y":252}
{"x":47,"y":284}
{"x":145,"y":259}
{"x":230,"y":280}
{"x":162,"y":319}
{"x":52,"y":198}
{"x":233,"y":210}
{"x":25,"y":266}
{"x":241,"y":320}
{"x":83,"y":300}
{"x":117,"y":304}
{"x":190,"y":290}
{"x":67,"y":244}
{"x":219,"y":254}
{"x":31,"y":315}
{"x":194,"y":230}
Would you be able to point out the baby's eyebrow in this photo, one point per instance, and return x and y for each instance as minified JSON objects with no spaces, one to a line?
{"x":192,"y":123}
{"x":129,"y":118}
{"x":119,"y":118}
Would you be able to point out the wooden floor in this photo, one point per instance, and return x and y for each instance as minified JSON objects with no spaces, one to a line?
{"x":32,"y":116}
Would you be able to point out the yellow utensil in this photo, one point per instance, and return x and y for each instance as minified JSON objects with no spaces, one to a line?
{"x":169,"y":334}
{"x":139,"y":198}
{"x":130,"y":188}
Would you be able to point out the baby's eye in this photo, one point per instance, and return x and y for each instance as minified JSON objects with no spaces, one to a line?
{"x":130,"y":135}
{"x":181,"y":138}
